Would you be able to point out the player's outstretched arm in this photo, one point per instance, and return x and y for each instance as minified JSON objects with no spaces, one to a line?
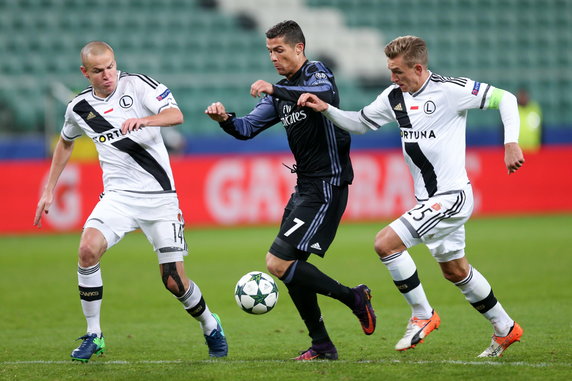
{"x":513,"y":157}
{"x":312,"y":101}
{"x":261,"y":87}
{"x":167,"y":117}
{"x":62,"y":153}
{"x":217,"y":112}
{"x":346,"y":120}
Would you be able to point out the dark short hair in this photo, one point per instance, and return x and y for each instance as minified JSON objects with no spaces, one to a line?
{"x":288,"y":29}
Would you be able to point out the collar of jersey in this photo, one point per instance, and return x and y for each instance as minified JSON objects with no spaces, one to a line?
{"x":298,"y":73}
{"x":422,"y":87}
{"x":110,"y":95}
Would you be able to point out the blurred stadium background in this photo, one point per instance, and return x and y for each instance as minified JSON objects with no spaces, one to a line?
{"x":212,"y":50}
{"x":208,"y":50}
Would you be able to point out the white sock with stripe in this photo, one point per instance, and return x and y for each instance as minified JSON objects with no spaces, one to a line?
{"x":478,"y":292}
{"x":404,"y":274}
{"x":195,"y":305}
{"x":91,"y":294}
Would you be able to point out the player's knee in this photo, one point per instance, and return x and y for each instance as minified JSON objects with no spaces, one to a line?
{"x":455,"y":275}
{"x":89,"y":253}
{"x":381,"y":246}
{"x":387,"y":243}
{"x":276,"y":266}
{"x":274,"y":269}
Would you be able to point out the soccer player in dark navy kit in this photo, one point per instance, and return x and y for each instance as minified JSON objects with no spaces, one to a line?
{"x":324,"y":171}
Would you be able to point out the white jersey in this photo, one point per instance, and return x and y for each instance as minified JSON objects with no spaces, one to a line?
{"x":432,"y":122}
{"x":137,"y":161}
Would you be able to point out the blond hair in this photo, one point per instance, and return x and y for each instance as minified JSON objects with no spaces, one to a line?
{"x":95,"y":48}
{"x":412,"y":48}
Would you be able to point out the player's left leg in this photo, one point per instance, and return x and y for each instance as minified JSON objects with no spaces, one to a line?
{"x":479,"y":293}
{"x":164,"y":227}
{"x":191,"y":297}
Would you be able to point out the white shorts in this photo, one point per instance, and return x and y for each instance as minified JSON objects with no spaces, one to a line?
{"x":438,"y":223}
{"x":157,"y":215}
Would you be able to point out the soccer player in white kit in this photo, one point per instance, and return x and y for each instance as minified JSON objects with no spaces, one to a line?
{"x":123,"y":114}
{"x":431,"y":111}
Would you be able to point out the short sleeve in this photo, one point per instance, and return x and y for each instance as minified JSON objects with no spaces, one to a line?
{"x":70,"y":130}
{"x":472,"y":95}
{"x":157,"y":98}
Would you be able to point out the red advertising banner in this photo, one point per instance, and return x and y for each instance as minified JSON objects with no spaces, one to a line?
{"x":233,"y":190}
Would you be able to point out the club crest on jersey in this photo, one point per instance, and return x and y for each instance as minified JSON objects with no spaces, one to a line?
{"x":126,"y":101}
{"x":429,"y":107}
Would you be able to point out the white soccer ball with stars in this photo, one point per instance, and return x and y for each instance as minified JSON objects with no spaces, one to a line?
{"x":256,"y":293}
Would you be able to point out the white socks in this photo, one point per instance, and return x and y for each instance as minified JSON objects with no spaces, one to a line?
{"x":91,"y":294}
{"x":479,"y":293}
{"x":195,"y":305}
{"x":404,"y":274}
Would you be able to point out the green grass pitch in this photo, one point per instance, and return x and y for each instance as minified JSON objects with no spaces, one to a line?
{"x":527,"y":260}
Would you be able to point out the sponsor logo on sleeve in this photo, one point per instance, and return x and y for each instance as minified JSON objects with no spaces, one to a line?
{"x":476,"y":88}
{"x":164,"y":95}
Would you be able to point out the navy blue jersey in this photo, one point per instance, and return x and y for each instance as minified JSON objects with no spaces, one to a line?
{"x":321,"y":149}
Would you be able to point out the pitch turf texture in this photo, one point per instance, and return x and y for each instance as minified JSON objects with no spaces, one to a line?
{"x":149,"y":337}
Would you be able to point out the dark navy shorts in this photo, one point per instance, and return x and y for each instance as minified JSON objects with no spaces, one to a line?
{"x":311,"y":219}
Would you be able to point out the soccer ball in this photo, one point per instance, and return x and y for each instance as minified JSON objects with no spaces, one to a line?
{"x":256,"y":293}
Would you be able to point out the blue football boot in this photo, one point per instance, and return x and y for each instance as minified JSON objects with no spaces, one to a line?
{"x":216,"y":341}
{"x":90,"y":345}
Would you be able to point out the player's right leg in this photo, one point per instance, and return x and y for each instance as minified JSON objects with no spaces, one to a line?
{"x":393,"y":254}
{"x":306,"y":302}
{"x":103,"y":229}
{"x":92,"y":246}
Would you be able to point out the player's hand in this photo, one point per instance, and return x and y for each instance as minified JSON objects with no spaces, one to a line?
{"x":217,"y":112}
{"x":132,"y":125}
{"x":260,"y":87}
{"x":313,"y":102}
{"x":513,"y":157}
{"x":43,"y":207}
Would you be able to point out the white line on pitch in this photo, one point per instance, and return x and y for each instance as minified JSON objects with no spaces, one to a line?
{"x":452,"y":362}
